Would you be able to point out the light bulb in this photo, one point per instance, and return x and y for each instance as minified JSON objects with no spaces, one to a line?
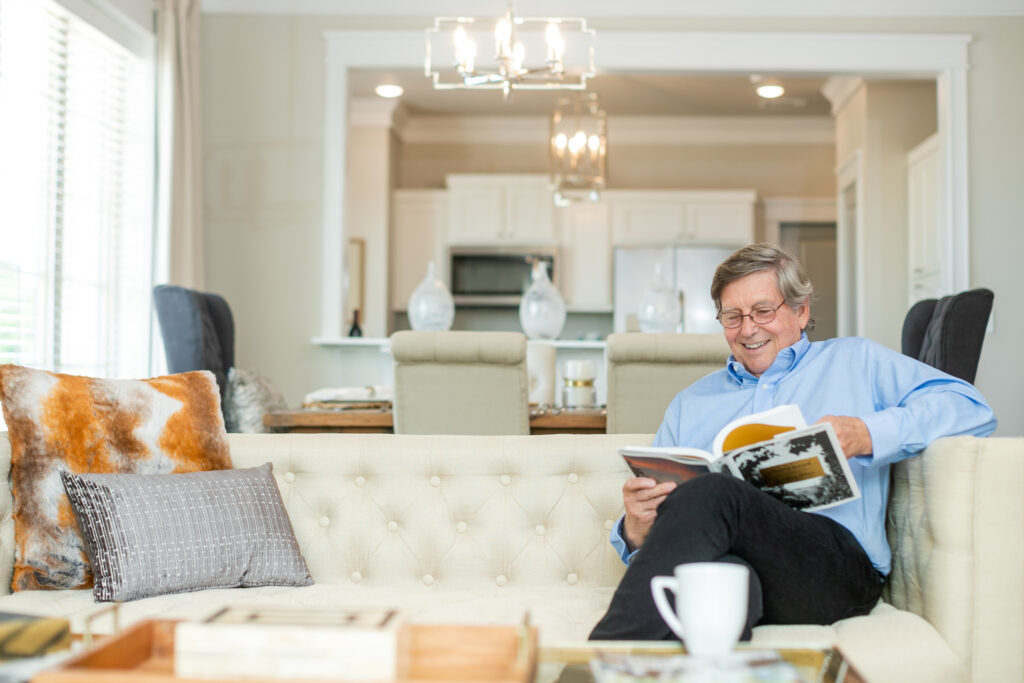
{"x":594,"y":143}
{"x":561,"y":141}
{"x":770,"y":91}
{"x":389,"y":90}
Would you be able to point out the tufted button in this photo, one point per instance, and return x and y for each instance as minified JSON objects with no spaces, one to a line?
{"x":505,"y":480}
{"x":609,"y":524}
{"x":392,"y":525}
{"x":428,"y":580}
{"x":289,"y":477}
{"x":573,"y":477}
{"x":539,"y":529}
{"x":461,"y":527}
{"x":360,"y":480}
{"x":324,"y":521}
{"x":356,"y":577}
{"x":571,"y":579}
{"x":501,"y":579}
{"x":435,"y":480}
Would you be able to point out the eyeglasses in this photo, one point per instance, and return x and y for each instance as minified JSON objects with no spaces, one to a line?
{"x":761,"y":315}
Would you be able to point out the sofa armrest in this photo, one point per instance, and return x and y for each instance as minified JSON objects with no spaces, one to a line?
{"x":956,"y":526}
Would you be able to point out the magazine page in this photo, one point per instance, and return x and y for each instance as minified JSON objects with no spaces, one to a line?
{"x":758,"y":427}
{"x":668,"y":463}
{"x":805,"y":469}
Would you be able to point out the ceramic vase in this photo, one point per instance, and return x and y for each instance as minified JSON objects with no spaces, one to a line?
{"x":659,"y":309}
{"x":431,"y":307}
{"x":542,"y":310}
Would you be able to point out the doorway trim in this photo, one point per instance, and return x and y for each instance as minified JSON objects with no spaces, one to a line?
{"x":939,"y":56}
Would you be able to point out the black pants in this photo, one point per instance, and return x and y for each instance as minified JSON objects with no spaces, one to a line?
{"x":804,"y":568}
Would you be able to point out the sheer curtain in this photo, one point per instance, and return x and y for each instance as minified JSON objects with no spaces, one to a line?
{"x":180,"y":141}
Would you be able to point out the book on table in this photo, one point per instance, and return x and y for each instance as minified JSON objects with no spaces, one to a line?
{"x":341,"y":644}
{"x":774,"y":450}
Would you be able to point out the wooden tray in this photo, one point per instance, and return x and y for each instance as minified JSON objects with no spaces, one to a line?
{"x":144,"y":653}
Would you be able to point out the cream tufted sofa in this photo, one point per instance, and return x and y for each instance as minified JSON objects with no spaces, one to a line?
{"x":480,"y":529}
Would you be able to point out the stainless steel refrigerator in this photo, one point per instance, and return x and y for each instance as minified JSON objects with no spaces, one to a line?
{"x":688,"y":270}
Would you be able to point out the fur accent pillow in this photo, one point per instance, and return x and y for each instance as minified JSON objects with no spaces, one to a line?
{"x":248,"y":398}
{"x":80,"y":424}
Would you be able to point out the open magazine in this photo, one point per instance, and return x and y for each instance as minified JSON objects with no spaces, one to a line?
{"x":774,"y":450}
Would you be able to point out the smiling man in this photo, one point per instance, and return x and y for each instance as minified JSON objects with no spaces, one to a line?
{"x":805,"y":567}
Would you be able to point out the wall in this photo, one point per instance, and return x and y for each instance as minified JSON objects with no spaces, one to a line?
{"x":885,"y":120}
{"x":263,"y":118}
{"x":772,"y":170}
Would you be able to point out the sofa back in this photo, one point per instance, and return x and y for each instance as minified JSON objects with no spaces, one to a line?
{"x":442,"y":511}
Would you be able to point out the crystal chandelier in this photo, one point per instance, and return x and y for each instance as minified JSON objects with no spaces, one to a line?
{"x":529,"y":53}
{"x":576,"y":149}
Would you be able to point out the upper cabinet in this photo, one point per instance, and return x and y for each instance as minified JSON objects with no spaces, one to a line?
{"x":657,"y":217}
{"x":500,"y":209}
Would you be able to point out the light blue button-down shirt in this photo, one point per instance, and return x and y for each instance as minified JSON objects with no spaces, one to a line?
{"x":904,"y":403}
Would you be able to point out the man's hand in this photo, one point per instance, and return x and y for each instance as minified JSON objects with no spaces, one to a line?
{"x":853,"y":434}
{"x":642,"y":496}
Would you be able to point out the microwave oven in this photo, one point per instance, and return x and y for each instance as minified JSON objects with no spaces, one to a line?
{"x":496,"y":276}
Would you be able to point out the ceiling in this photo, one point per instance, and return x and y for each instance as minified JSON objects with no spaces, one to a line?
{"x":662,"y":94}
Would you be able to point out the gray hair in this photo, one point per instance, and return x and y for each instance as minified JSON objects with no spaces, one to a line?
{"x":793,"y":283}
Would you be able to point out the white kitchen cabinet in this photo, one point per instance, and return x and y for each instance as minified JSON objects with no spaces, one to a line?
{"x":500,"y":210}
{"x":418,"y":223}
{"x":658,"y":217}
{"x":585,"y":257}
{"x":923,"y":205}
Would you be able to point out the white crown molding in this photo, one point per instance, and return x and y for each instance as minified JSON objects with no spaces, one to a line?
{"x":653,"y":9}
{"x":839,"y":89}
{"x":625,"y":130}
{"x":372,"y":112}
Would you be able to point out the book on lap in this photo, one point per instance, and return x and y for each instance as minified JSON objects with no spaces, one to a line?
{"x":775,"y":450}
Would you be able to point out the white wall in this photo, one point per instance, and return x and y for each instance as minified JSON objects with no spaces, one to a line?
{"x":263,"y":118}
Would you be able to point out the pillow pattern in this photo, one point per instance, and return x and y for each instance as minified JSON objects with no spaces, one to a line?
{"x":248,"y":398}
{"x":173,"y":533}
{"x":65,"y":422}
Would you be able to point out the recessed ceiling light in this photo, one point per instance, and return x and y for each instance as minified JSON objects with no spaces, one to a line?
{"x":770,"y":91}
{"x":389,"y":90}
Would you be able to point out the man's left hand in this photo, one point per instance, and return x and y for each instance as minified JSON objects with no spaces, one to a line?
{"x":852,"y":433}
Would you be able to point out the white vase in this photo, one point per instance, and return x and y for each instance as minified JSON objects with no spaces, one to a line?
{"x":659,"y":309}
{"x":542,"y":310}
{"x":431,"y":306}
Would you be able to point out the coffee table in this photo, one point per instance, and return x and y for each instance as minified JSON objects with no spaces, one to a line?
{"x":570,"y":662}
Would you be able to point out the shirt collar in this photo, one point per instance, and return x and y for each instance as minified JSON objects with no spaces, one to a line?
{"x":787,"y":359}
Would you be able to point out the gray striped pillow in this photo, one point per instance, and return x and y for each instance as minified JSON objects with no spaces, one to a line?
{"x":173,"y":533}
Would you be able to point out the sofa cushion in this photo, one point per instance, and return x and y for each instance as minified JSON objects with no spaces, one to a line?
{"x":174,"y":533}
{"x":80,"y":424}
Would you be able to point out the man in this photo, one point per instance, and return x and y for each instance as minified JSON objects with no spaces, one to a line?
{"x":804,"y":567}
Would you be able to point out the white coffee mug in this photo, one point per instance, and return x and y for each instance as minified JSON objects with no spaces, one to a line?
{"x":711,"y":605}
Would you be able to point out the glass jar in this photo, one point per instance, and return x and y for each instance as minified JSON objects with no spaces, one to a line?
{"x":431,"y":306}
{"x":542,"y":310}
{"x":578,"y":390}
{"x":659,"y":309}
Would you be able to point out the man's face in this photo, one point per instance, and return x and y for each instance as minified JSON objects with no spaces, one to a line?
{"x":754,"y":345}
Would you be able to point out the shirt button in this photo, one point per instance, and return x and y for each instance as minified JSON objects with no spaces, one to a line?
{"x":571,"y":579}
{"x":289,"y":477}
{"x":324,"y":521}
{"x":501,"y":580}
{"x":392,"y":526}
{"x":360,"y":480}
{"x":539,"y":529}
{"x":460,"y":527}
{"x":609,"y":524}
{"x":505,"y":480}
{"x":573,"y":477}
{"x":428,"y":580}
{"x":435,"y":481}
{"x":356,"y":577}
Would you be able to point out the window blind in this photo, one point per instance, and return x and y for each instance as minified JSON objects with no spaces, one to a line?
{"x":76,"y":184}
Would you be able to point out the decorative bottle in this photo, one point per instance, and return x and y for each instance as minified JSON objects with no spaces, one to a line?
{"x":355,"y":330}
{"x":431,"y":306}
{"x":660,"y":309}
{"x":542,"y":310}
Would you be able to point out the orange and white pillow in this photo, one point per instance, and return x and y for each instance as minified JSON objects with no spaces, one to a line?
{"x":76,"y":424}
